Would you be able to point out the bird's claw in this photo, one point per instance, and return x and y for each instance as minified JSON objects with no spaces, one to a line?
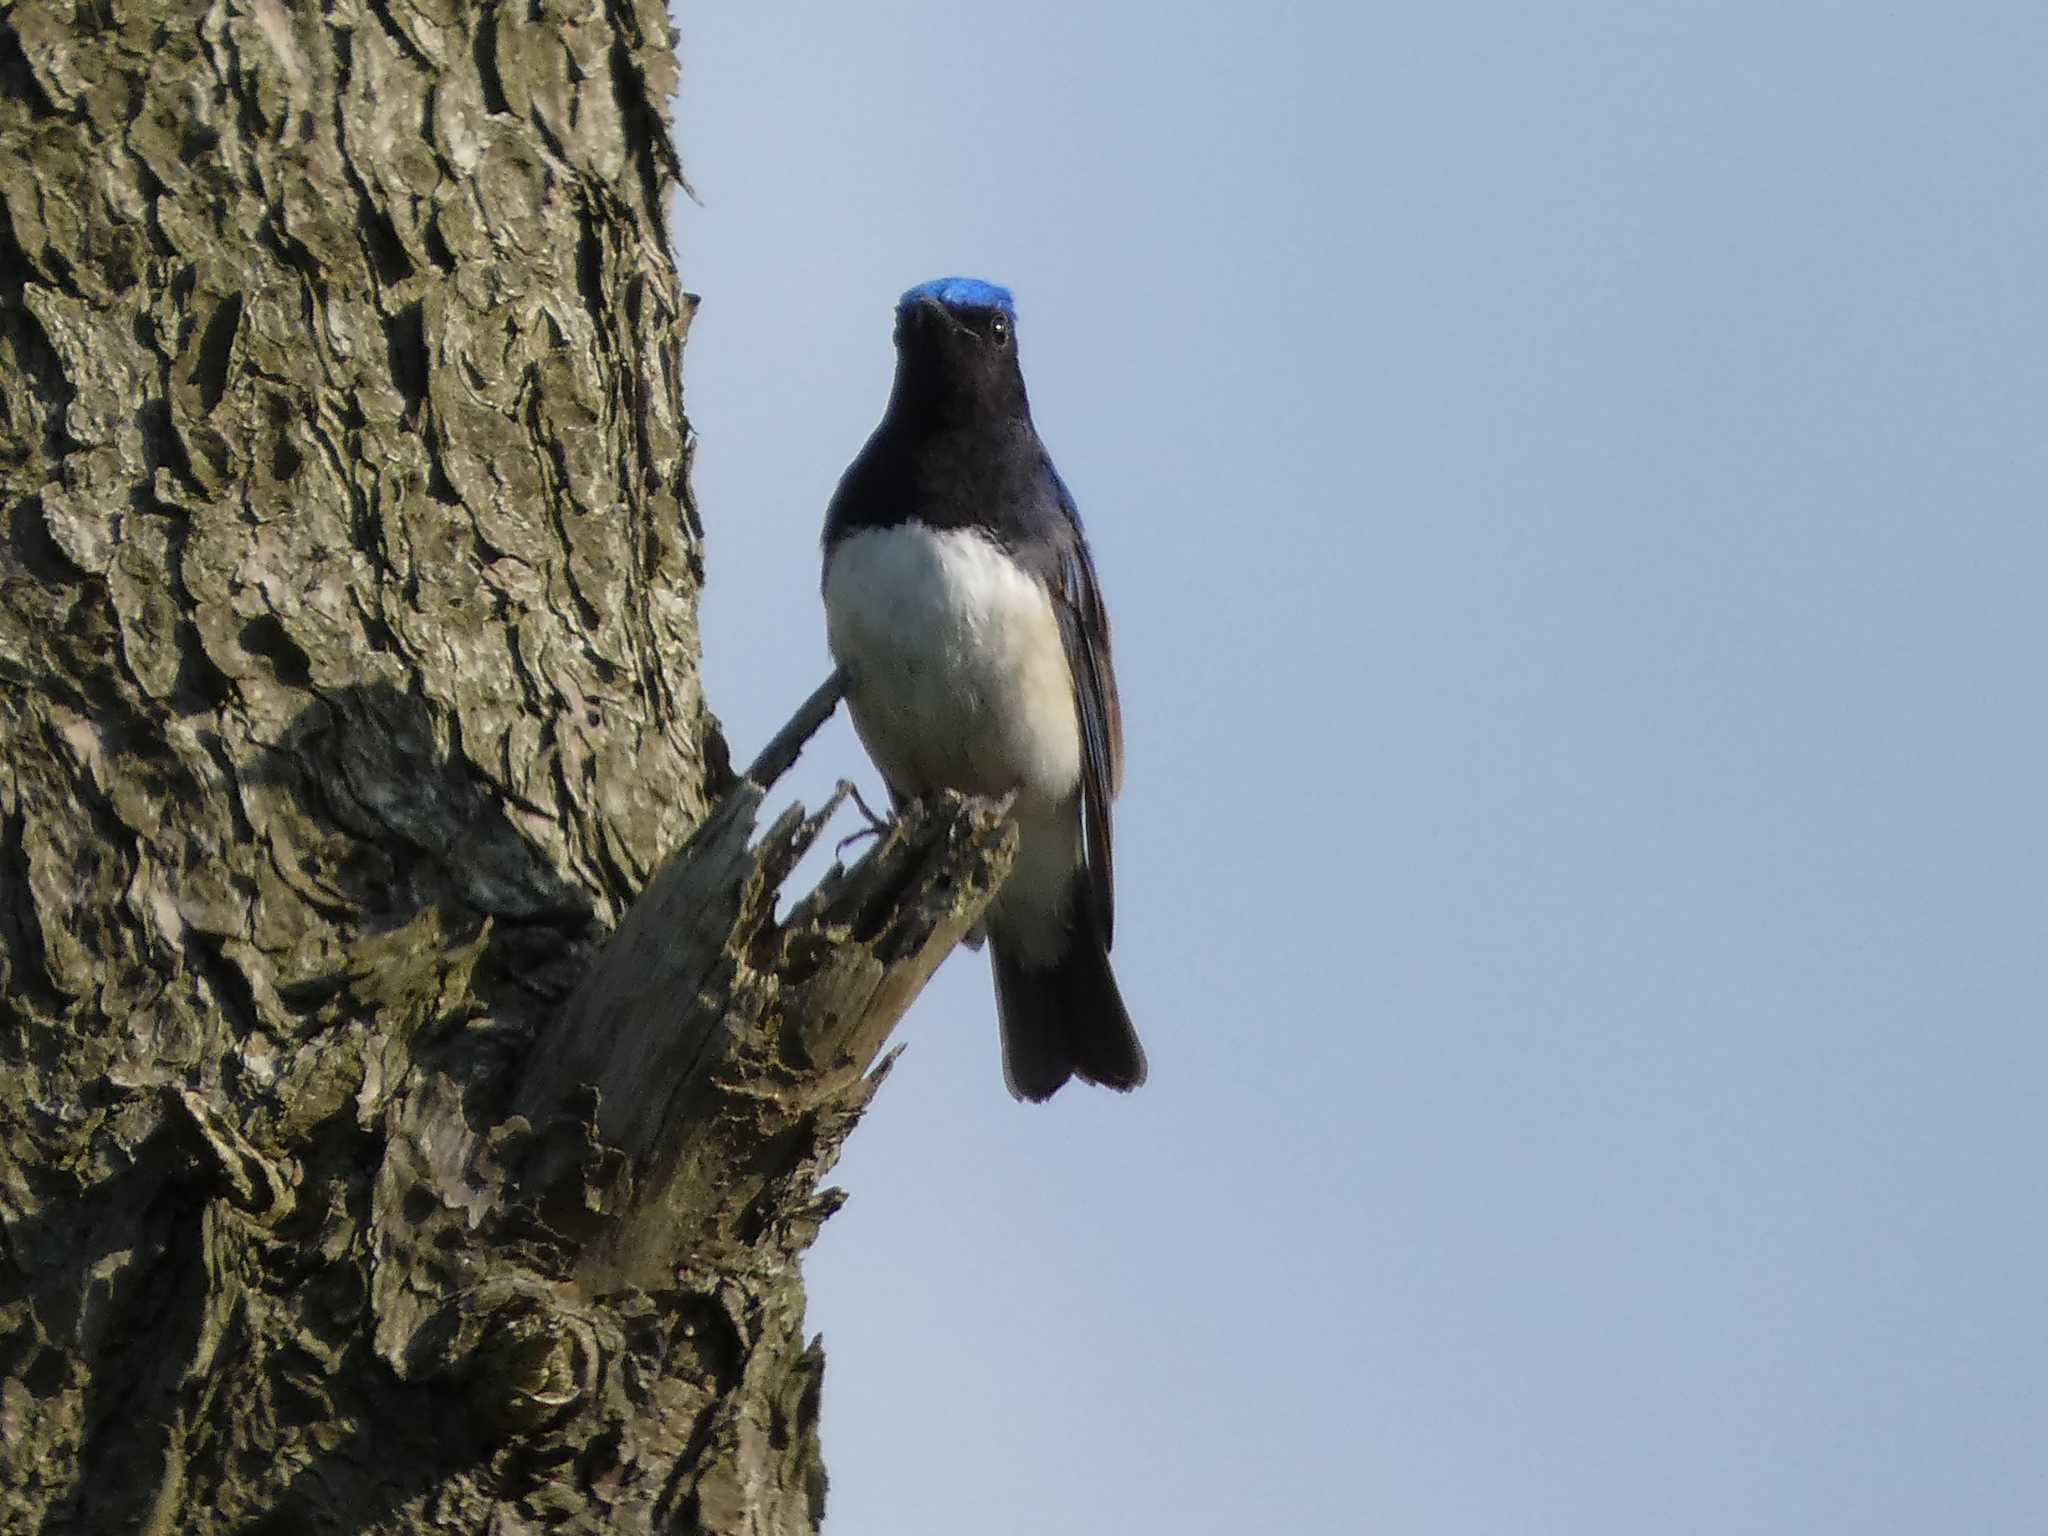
{"x":875,"y":828}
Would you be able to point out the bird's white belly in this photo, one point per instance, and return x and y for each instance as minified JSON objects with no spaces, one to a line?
{"x":956,"y":674}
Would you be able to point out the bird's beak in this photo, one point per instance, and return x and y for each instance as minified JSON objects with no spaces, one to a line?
{"x":940,"y":314}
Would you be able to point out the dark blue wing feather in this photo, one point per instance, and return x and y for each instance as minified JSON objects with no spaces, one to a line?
{"x":1084,"y":628}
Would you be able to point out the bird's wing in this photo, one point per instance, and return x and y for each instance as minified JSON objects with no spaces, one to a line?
{"x":1084,"y":630}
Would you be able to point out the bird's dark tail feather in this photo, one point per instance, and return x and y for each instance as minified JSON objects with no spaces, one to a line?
{"x":1065,"y":1020}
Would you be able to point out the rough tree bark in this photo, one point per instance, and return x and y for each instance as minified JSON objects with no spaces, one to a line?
{"x":369,"y":1159}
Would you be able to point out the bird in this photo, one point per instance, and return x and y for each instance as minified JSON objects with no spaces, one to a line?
{"x":963,"y":610}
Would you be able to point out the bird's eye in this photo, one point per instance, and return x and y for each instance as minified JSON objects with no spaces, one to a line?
{"x":998,"y":330}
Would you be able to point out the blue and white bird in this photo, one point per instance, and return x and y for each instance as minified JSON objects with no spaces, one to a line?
{"x":962,"y":605}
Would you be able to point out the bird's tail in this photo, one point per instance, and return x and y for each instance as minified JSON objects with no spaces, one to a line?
{"x":1065,"y":1019}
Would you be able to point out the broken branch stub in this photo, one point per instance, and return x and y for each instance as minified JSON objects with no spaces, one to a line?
{"x":723,"y":1055}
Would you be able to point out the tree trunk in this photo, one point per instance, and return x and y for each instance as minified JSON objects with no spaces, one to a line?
{"x":369,"y":1160}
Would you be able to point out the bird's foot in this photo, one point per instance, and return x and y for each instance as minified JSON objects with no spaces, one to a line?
{"x":875,"y":828}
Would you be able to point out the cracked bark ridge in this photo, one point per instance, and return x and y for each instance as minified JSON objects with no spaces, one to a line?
{"x":348,"y":698}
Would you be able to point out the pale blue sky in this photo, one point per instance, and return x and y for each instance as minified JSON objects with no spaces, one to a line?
{"x":1571,"y":482}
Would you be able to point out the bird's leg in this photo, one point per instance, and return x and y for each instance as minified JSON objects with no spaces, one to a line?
{"x":875,"y":828}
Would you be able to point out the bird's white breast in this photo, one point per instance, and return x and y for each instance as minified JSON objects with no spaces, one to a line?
{"x":957,"y":676}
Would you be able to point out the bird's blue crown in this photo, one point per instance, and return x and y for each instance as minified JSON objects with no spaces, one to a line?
{"x":960,"y":293}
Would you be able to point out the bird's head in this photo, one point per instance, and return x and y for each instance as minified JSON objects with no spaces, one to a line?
{"x":956,"y":349}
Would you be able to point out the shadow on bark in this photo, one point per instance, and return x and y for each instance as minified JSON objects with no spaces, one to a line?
{"x":427,"y":836}
{"x":132,"y":1274}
